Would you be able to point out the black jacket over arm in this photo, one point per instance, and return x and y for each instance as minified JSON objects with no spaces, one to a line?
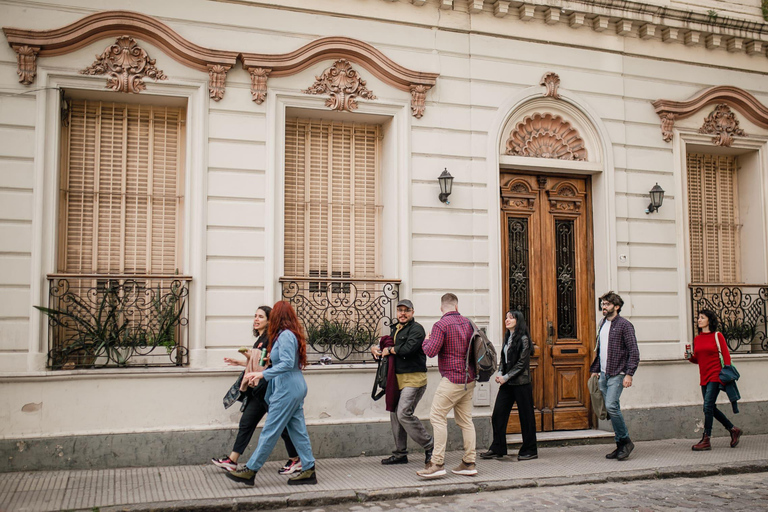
{"x":409,"y":356}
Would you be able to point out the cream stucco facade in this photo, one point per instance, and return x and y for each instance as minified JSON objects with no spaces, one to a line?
{"x":613,"y":63}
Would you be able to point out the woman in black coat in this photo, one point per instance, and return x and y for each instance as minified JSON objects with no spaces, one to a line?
{"x":514,"y":378}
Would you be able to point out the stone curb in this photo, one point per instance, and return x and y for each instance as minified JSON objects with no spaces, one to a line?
{"x":325,"y":498}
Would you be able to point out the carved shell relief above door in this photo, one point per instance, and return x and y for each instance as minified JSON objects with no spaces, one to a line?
{"x":544,"y":135}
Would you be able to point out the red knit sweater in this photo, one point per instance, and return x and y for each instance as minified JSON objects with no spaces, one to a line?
{"x":706,"y":356}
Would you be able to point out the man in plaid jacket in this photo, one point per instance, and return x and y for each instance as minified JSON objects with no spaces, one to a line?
{"x":615,"y":363}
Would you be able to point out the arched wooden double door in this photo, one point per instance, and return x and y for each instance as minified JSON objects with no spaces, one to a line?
{"x":548,"y":274}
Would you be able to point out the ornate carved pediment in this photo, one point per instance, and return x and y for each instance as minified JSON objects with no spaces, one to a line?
{"x":126,"y":64}
{"x":552,"y":82}
{"x":749,"y":106}
{"x":722,"y":123}
{"x":344,"y":84}
{"x":565,"y":199}
{"x":546,"y":136}
{"x":517,"y":195}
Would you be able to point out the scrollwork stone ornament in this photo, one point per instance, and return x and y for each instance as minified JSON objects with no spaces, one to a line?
{"x":26,"y":58}
{"x":551,"y":81}
{"x":126,"y":65}
{"x":546,"y":136}
{"x":259,"y":78}
{"x":667,"y":124}
{"x":418,"y":100}
{"x":722,"y":123}
{"x":217,"y":78}
{"x":344,"y":85}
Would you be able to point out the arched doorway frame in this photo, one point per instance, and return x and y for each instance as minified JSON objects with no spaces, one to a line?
{"x":600,"y":166}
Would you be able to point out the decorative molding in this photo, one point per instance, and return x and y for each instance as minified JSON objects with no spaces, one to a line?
{"x":217,"y":79}
{"x":546,"y":136}
{"x":517,"y":195}
{"x":29,"y":44}
{"x":418,"y":100}
{"x":722,"y":123}
{"x":565,"y":199}
{"x":551,"y":81}
{"x":126,"y":64}
{"x":259,"y":78}
{"x":344,"y":84}
{"x":26,"y":58}
{"x":749,"y":106}
{"x":374,"y":61}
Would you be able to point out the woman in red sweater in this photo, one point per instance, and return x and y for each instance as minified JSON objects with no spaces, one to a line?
{"x":707,"y":356}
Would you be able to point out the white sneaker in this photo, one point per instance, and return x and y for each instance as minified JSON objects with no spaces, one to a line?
{"x":432,"y":470}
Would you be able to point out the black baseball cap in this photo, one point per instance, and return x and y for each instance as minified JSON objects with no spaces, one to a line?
{"x":405,"y":302}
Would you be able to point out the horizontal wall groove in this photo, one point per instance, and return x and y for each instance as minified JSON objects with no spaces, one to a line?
{"x":433,"y":236}
{"x":222,"y":258}
{"x":468,"y":211}
{"x":233,"y":288}
{"x":229,"y":199}
{"x":259,"y":172}
{"x":244,"y":142}
{"x":449,"y":264}
{"x":23,"y":127}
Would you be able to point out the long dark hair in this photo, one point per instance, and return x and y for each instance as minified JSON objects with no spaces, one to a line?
{"x":521,"y":327}
{"x":267,"y":311}
{"x":284,"y":318}
{"x":714,"y":323}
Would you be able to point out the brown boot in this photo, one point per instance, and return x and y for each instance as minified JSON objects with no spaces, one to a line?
{"x":735,"y":435}
{"x":702,"y":445}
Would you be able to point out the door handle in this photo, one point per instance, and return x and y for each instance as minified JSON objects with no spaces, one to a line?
{"x":550,"y":333}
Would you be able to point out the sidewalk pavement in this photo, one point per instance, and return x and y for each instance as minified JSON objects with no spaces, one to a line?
{"x":205,"y":488}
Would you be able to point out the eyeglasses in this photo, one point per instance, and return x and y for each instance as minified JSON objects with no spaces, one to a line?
{"x":606,"y":304}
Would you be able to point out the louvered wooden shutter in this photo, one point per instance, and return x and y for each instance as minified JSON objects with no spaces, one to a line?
{"x":332,"y":204}
{"x":121,"y":189}
{"x":713,"y":218}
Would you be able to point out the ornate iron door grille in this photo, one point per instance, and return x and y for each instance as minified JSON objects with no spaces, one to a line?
{"x":519,"y":268}
{"x":565,"y":252}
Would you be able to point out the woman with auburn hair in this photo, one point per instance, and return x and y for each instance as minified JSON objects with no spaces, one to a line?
{"x":286,"y":390}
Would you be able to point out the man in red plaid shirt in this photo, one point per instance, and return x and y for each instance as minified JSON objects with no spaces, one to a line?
{"x":449,"y":341}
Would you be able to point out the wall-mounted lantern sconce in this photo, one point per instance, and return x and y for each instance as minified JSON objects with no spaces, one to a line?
{"x":657,"y":197}
{"x":446,"y":185}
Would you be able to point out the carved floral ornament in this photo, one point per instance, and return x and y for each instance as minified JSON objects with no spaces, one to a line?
{"x":722,"y":123}
{"x":31,"y":44}
{"x":546,"y":136}
{"x":126,"y":64}
{"x":552,"y":82}
{"x":344,"y":84}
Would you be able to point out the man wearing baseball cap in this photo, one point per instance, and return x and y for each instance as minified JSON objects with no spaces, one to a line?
{"x":411,"y":370}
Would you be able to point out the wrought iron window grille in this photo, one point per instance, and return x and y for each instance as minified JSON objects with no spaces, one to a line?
{"x":741,"y":310}
{"x":100,"y":321}
{"x":342,"y":317}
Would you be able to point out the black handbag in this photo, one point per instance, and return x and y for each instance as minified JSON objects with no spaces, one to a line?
{"x":381,"y":379}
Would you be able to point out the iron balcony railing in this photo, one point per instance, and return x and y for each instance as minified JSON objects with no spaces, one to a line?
{"x":342,"y":317}
{"x":741,"y":310}
{"x":101,"y":321}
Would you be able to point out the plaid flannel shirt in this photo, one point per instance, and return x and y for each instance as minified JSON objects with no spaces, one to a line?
{"x":623,"y":355}
{"x":449,"y":341}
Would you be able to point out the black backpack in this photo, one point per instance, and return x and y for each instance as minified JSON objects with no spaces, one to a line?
{"x":482,"y":354}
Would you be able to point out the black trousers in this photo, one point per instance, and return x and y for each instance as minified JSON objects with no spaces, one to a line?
{"x":507,"y":397}
{"x":255,"y":409}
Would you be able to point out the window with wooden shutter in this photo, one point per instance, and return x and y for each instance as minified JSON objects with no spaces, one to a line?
{"x":332,"y":204}
{"x":713,"y":218}
{"x":121,"y":189}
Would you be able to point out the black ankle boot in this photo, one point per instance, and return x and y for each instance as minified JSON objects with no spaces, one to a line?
{"x":614,"y":453}
{"x":626,"y":448}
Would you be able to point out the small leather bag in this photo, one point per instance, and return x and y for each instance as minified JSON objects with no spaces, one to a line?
{"x":380,"y":382}
{"x":728,"y":372}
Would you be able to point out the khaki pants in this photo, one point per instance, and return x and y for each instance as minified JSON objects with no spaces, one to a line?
{"x":452,"y":396}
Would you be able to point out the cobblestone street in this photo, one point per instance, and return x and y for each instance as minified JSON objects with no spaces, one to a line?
{"x":714,"y":493}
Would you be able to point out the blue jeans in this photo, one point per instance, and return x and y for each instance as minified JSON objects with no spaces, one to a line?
{"x":611,"y":388}
{"x":710,"y":392}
